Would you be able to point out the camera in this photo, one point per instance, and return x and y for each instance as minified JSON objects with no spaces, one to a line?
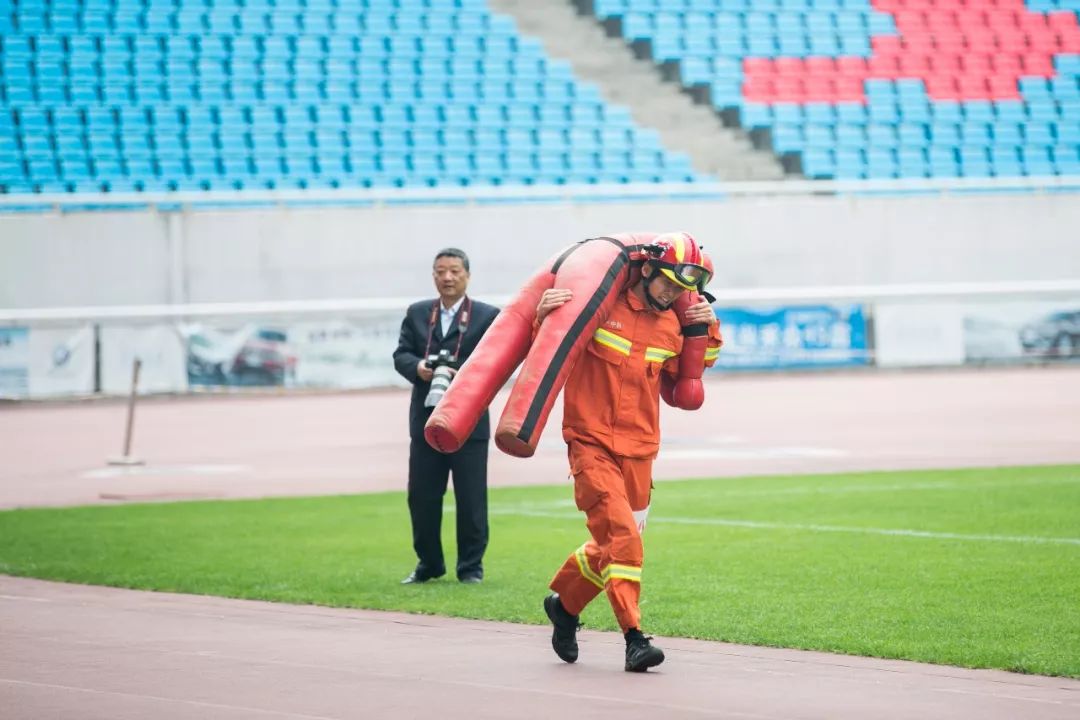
{"x":441,"y":365}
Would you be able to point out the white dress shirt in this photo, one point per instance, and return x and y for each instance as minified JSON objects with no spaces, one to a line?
{"x":446,"y":315}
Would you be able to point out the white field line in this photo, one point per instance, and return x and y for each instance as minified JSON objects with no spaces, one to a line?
{"x":751,"y":453}
{"x":942,"y":485}
{"x":763,"y":525}
{"x":844,"y":489}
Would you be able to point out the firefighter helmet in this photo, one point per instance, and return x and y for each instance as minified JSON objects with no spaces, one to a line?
{"x":679,"y":258}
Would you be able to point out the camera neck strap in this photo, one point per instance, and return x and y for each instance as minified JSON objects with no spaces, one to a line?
{"x":464,"y":313}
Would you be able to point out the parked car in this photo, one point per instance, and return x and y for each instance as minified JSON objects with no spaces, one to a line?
{"x":267,"y":353}
{"x":1057,"y":334}
{"x":248,"y":356}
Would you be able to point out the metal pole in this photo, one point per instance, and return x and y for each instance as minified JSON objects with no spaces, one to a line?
{"x":126,"y":458}
{"x":97,"y":358}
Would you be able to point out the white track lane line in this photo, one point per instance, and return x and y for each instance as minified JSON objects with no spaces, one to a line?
{"x":161,"y":699}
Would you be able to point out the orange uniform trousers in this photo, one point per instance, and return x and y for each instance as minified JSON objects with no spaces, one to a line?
{"x":614,"y":492}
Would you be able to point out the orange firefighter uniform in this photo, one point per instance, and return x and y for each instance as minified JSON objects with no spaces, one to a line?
{"x":611,"y":426}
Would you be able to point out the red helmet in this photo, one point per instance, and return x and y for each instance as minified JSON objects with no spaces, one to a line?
{"x":679,"y":258}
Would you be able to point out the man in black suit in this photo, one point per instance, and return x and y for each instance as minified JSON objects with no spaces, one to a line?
{"x":453,"y":323}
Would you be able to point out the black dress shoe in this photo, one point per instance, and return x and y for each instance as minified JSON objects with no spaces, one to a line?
{"x":472,"y":579}
{"x":416,"y":577}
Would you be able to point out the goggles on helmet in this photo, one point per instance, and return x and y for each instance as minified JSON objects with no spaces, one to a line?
{"x":688,"y":276}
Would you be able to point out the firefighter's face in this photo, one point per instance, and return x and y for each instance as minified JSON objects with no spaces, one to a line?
{"x":663,"y":290}
{"x":451,"y":278}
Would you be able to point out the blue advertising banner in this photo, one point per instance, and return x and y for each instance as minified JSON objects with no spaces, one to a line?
{"x":14,"y":362}
{"x":793,"y":337}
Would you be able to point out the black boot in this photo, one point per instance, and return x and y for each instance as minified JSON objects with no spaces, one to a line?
{"x":564,"y":636}
{"x":640,"y":653}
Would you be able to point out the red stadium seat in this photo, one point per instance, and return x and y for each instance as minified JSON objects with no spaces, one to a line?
{"x":920,"y":45}
{"x":1038,"y":65}
{"x":1012,"y":42}
{"x":951,"y":44}
{"x":1069,"y":42}
{"x":790,"y":87}
{"x":1061,"y":19}
{"x":885,"y":45}
{"x":885,"y":66}
{"x":1003,"y":88}
{"x":759,"y":89}
{"x":973,"y":87}
{"x":947,"y":64}
{"x":910,"y":20}
{"x":854,"y":67}
{"x":849,"y":89}
{"x":823,"y":66}
{"x":981,"y":42}
{"x":941,"y":87}
{"x":976,"y":64}
{"x":759,"y":66}
{"x":790,"y":67}
{"x":1007,"y":64}
{"x":1031,"y":22}
{"x":819,"y":89}
{"x":914,"y":65}
{"x":970,"y":18}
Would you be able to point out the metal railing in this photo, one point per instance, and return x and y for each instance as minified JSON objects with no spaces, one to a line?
{"x":571,"y":193}
{"x":908,"y":292}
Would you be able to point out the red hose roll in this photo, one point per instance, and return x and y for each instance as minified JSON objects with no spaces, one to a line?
{"x":596,"y":271}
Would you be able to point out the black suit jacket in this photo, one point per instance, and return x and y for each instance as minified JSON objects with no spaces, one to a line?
{"x":411,"y":348}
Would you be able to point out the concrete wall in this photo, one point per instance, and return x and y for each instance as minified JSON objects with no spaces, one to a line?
{"x":135,"y":257}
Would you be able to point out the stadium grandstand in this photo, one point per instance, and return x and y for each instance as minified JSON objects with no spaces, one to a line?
{"x":207,"y":95}
{"x":879,"y":88}
{"x":100,"y":95}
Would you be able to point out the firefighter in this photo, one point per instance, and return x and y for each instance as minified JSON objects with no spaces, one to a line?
{"x":611,"y":427}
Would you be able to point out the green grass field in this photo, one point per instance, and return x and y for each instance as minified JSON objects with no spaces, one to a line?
{"x":979,"y":568}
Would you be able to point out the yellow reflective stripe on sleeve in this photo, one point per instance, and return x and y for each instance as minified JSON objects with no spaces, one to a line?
{"x":622,"y":572}
{"x":712,"y":353}
{"x":586,"y":571}
{"x":613,"y":341}
{"x":653,"y":354}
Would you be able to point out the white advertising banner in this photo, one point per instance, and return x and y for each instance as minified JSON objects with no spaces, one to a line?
{"x":61,"y":361}
{"x":46,"y":362}
{"x":324,"y":354}
{"x":348,"y":354}
{"x":914,"y":335}
{"x":14,"y":362}
{"x":159,"y":347}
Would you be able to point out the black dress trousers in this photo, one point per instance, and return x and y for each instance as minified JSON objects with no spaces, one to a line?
{"x":429,"y":471}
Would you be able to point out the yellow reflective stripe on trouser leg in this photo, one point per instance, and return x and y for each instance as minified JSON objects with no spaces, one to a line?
{"x":712,"y":353}
{"x":586,"y":571}
{"x":622,"y":572}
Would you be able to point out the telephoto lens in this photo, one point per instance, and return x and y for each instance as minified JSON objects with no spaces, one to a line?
{"x":440,"y":380}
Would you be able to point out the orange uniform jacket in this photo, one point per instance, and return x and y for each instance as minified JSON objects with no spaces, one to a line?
{"x":612,"y":397}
